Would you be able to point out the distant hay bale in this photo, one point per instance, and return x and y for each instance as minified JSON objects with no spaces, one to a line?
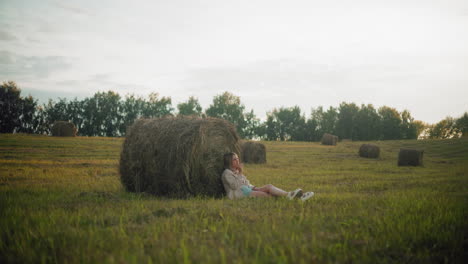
{"x":329,"y":139}
{"x":177,"y":156}
{"x":410,"y":157}
{"x":63,"y":129}
{"x":369,"y":151}
{"x":253,"y":152}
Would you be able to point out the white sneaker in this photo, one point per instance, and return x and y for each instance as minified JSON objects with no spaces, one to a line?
{"x":306,"y":196}
{"x":294,"y":194}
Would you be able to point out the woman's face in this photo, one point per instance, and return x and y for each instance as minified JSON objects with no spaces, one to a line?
{"x":235,"y":162}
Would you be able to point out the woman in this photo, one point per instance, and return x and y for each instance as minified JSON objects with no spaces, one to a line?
{"x":237,"y":186}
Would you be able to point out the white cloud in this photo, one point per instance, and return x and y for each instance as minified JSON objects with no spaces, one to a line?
{"x":402,"y":53}
{"x":14,"y":66}
{"x":397,"y":82}
{"x":69,"y":7}
{"x":6,"y":36}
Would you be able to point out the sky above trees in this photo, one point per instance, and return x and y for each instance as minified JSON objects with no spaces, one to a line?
{"x":408,"y":54}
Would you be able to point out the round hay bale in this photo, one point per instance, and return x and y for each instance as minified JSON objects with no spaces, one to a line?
{"x":369,"y":151}
{"x":329,"y":139}
{"x":177,"y":156}
{"x":253,"y":152}
{"x":63,"y":129}
{"x":410,"y":157}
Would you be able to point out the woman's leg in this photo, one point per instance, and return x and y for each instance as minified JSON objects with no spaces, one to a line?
{"x":259,"y":194}
{"x":272,"y":190}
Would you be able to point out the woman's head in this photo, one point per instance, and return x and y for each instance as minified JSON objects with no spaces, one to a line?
{"x":231,"y":161}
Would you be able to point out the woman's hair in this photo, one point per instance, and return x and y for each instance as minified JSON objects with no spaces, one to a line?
{"x":228,"y":159}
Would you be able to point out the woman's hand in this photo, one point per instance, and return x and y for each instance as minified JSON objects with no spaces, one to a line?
{"x":241,"y":167}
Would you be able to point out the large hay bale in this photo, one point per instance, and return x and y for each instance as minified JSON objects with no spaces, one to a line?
{"x":63,"y":129}
{"x":329,"y":139}
{"x":253,"y":152}
{"x":177,"y":156}
{"x":410,"y":157}
{"x":369,"y":151}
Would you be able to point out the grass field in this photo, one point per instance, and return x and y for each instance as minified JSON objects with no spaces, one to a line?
{"x":61,"y":201}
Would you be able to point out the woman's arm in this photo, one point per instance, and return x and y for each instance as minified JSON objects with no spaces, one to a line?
{"x":249,"y":184}
{"x":246,"y":181}
{"x":230,"y":180}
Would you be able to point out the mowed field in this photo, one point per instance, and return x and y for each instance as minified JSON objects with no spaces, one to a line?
{"x":61,"y":201}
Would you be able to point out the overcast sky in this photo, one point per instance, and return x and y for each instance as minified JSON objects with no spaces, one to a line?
{"x":406,"y":54}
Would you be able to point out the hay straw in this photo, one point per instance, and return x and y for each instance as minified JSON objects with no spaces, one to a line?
{"x":177,"y":156}
{"x":253,"y":152}
{"x":410,"y":157}
{"x":369,"y":151}
{"x":329,"y":139}
{"x":63,"y":129}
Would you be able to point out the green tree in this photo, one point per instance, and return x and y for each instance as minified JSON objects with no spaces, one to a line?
{"x":366,"y":124}
{"x":462,"y":124}
{"x":311,"y":132}
{"x":271,"y":128}
{"x":326,"y":121}
{"x":90,"y":117}
{"x":55,"y":111}
{"x":157,"y":107}
{"x":17,"y":113}
{"x":253,"y":127}
{"x":330,"y":118}
{"x":228,"y":106}
{"x":132,"y":109}
{"x":410,"y":128}
{"x":286,"y":124}
{"x":61,"y":110}
{"x":444,"y":129}
{"x":190,"y":108}
{"x":418,"y":127}
{"x":75,"y":111}
{"x":316,"y":117}
{"x":40,"y":122}
{"x":102,"y":114}
{"x":346,"y":117}
{"x":390,"y":123}
{"x":10,"y":107}
{"x":408,"y":131}
{"x":109,"y":111}
{"x":28,"y":110}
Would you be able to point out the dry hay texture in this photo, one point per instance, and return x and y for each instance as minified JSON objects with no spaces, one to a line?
{"x":177,"y":156}
{"x":253,"y":152}
{"x":329,"y":139}
{"x":410,"y":157}
{"x":63,"y":129}
{"x":369,"y":151}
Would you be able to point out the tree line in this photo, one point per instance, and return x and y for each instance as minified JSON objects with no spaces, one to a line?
{"x":109,"y":114}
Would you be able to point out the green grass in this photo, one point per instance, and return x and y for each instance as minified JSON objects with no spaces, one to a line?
{"x":61,"y":201}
